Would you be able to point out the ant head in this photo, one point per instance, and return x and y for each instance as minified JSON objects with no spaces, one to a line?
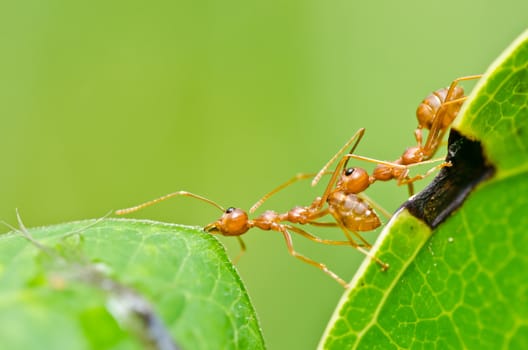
{"x":233,"y":222}
{"x":354,"y":180}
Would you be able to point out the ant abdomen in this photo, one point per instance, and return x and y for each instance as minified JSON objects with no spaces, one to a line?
{"x":353,"y":212}
{"x":428,"y":109}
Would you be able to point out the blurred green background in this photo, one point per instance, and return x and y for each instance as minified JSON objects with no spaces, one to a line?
{"x":106,"y":104}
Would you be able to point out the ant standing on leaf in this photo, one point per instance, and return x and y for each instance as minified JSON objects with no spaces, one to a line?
{"x":435,"y":113}
{"x":235,"y":222}
{"x":352,"y":213}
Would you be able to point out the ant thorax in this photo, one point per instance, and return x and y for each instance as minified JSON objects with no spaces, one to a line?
{"x":353,"y":212}
{"x":267,"y":220}
{"x":298,"y":215}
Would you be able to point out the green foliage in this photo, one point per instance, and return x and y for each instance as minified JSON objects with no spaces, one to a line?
{"x":113,"y":283}
{"x":462,"y":285}
{"x":109,"y":103}
{"x":498,"y":113}
{"x":121,"y":284}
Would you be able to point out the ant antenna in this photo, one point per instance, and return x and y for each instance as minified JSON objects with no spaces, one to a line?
{"x":167,"y":196}
{"x":358,"y":135}
{"x":298,"y":177}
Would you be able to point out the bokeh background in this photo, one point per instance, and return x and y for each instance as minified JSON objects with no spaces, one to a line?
{"x":105,"y":104}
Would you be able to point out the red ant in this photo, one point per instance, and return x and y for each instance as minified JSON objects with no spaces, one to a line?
{"x":351,"y":212}
{"x":435,"y":113}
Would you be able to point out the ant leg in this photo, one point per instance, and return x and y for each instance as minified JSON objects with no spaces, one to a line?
{"x":340,"y":165}
{"x":424,"y":162}
{"x":317,"y":177}
{"x":335,"y":224}
{"x":377,"y":161}
{"x":418,"y":136}
{"x":392,"y":164}
{"x":408,"y":180}
{"x":356,"y":137}
{"x":347,"y":234}
{"x":322,"y":267}
{"x":323,"y":224}
{"x":457,"y":100}
{"x":316,"y":215}
{"x":324,"y":171}
{"x":298,"y":177}
{"x":316,"y":239}
{"x":457,"y":80}
{"x":410,"y":188}
{"x":437,"y":132}
{"x":405,"y":179}
{"x":384,"y":266}
{"x":242,"y":250}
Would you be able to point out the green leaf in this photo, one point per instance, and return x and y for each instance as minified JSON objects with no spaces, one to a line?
{"x":121,"y":284}
{"x":464,"y":284}
{"x":497,"y":114}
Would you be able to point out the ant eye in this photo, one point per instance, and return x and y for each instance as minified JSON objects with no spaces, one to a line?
{"x":349,"y":171}
{"x":229,"y":210}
